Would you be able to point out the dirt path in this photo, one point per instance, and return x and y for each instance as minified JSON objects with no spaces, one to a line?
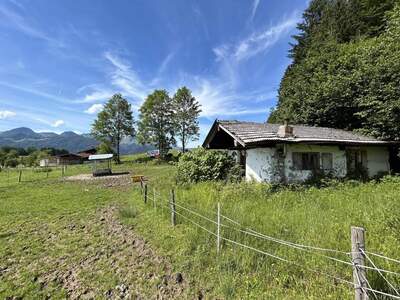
{"x":139,"y":271}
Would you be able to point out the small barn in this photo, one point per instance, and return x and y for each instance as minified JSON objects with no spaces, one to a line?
{"x":84,"y":154}
{"x":294,"y":153}
{"x":61,"y":160}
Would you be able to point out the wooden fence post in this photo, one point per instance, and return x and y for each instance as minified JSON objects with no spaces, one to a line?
{"x":141,"y":185}
{"x":62,"y":171}
{"x":218,"y":227}
{"x":358,"y":259}
{"x":154,"y":198}
{"x":173,"y":215}
{"x":20,"y":175}
{"x":145,"y":193}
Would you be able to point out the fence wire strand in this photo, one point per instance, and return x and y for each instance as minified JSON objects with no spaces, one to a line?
{"x":302,"y":247}
{"x":383,"y":256}
{"x":380,"y":273}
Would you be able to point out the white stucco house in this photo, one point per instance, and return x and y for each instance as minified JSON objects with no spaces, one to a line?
{"x":294,"y":153}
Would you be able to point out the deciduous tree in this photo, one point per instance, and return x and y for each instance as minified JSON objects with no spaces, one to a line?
{"x":114,"y":122}
{"x":186,"y":115}
{"x":156,"y":124}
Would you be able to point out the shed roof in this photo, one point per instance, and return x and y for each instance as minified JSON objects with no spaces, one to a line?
{"x":250,"y":134}
{"x":100,"y":156}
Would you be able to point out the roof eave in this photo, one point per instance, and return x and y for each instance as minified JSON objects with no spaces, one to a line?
{"x":322,"y":141}
{"x":214,"y":129}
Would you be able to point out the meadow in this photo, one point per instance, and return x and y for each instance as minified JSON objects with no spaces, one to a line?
{"x":36,"y":238}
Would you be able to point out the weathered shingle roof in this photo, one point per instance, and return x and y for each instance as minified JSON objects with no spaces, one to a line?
{"x":251,"y":133}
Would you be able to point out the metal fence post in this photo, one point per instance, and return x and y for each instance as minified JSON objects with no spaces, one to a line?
{"x":173,"y":215}
{"x":358,"y":259}
{"x":20,"y":175}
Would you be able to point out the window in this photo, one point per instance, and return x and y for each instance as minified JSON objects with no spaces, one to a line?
{"x":327,"y":161}
{"x":356,"y":159}
{"x":306,"y":160}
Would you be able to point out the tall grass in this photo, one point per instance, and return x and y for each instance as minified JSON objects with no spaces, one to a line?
{"x":318,"y":217}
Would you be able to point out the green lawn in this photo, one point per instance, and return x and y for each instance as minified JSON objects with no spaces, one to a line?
{"x":53,"y":238}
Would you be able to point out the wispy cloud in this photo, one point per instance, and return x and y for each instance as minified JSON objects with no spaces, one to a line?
{"x":97,"y":94}
{"x":5,"y":114}
{"x":94,"y":109}
{"x":34,"y":92}
{"x":257,"y":42}
{"x":10,"y":18}
{"x":125,"y":78}
{"x":166,"y":62}
{"x":254,"y":9}
{"x":58,"y":123}
{"x":219,"y":100}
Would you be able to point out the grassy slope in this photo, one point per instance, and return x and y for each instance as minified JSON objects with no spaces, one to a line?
{"x":43,"y":230}
{"x":31,"y":212}
{"x":319,"y":217}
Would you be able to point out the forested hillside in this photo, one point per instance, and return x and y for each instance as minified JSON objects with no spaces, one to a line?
{"x":346,"y":68}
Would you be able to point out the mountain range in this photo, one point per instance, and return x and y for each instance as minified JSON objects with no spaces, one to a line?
{"x":24,"y":137}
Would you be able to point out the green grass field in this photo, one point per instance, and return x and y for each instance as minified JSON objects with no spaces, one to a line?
{"x":52,"y":230}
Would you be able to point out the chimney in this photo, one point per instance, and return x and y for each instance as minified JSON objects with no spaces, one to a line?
{"x":285,"y":131}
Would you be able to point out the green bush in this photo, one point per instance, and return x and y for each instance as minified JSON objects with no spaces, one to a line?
{"x":205,"y":165}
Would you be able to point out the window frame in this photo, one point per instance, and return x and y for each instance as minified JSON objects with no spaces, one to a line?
{"x":311,"y":161}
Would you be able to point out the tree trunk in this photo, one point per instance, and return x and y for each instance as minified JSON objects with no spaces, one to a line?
{"x":183,"y":143}
{"x":183,"y":139}
{"x":118,"y":160}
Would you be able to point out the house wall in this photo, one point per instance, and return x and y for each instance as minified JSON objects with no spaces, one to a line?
{"x":264,"y":164}
{"x":377,"y":160}
{"x":338,"y":161}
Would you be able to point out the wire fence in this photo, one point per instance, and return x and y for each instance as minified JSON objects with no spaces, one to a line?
{"x":358,"y":260}
{"x":12,"y":176}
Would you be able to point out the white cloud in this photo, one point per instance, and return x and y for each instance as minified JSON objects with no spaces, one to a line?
{"x":98,"y":95}
{"x":254,"y":9}
{"x":10,"y":18}
{"x":164,"y":64}
{"x":257,"y":42}
{"x":35,"y":92}
{"x":94,"y":109}
{"x":58,"y":123}
{"x":126,"y":79}
{"x":219,"y":100}
{"x":5,"y":114}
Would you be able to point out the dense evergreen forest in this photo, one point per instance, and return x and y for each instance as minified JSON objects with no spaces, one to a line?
{"x":345,"y":71}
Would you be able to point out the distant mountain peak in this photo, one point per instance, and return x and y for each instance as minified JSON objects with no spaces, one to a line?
{"x":24,"y":137}
{"x":69,"y":133}
{"x":19,"y":133}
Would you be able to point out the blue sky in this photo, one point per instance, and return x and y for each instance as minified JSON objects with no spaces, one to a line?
{"x":60,"y":60}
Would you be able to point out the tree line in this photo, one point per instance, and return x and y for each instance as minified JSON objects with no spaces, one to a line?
{"x":30,"y":157}
{"x":162,"y":121}
{"x":345,"y":71}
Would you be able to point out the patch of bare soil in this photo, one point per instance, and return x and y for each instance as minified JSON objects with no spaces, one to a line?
{"x":141,"y":273}
{"x":108,"y":181}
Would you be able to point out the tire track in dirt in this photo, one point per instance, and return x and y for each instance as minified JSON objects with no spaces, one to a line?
{"x":142,"y":273}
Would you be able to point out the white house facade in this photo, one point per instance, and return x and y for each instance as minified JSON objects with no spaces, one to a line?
{"x":283,"y":153}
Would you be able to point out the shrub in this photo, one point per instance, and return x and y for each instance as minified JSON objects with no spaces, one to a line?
{"x":205,"y":165}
